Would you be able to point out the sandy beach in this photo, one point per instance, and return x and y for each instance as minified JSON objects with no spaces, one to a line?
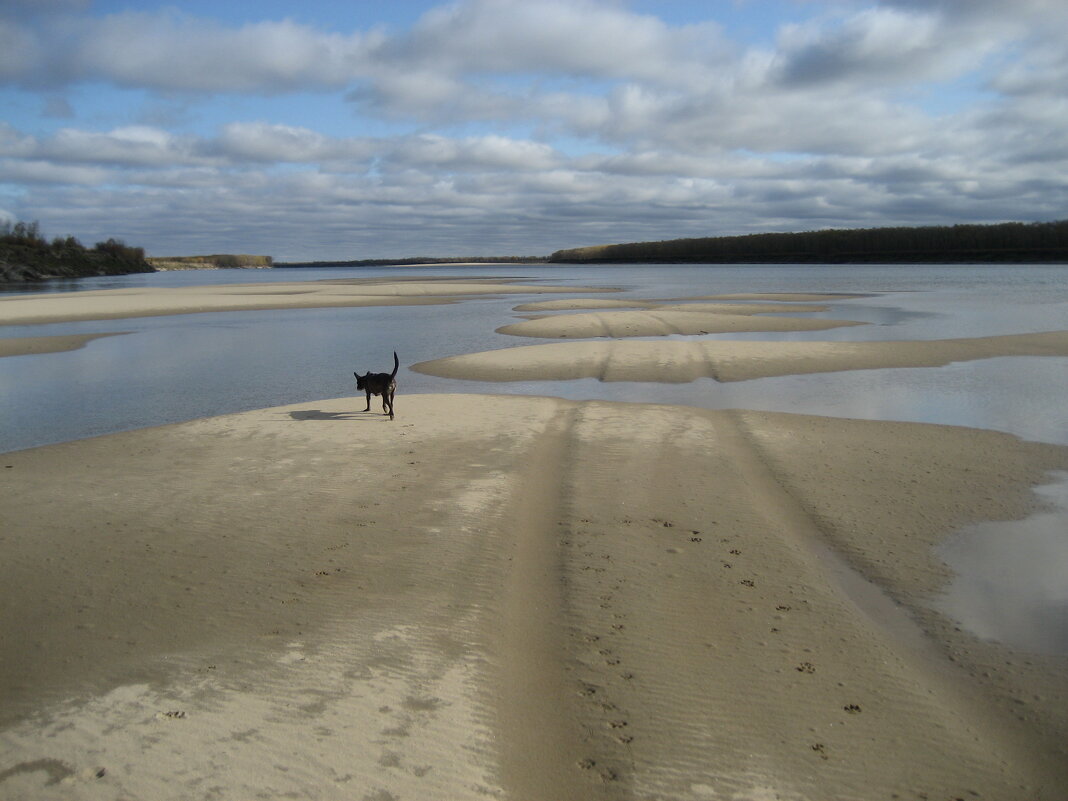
{"x":520,"y":598}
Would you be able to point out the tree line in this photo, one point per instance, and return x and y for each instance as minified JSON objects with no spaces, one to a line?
{"x":25,"y":255}
{"x":1003,"y":242}
{"x":414,"y":260}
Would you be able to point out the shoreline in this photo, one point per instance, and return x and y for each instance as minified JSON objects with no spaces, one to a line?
{"x":466,"y":601}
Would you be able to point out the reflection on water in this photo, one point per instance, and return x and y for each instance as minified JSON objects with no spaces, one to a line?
{"x":1012,"y":578}
{"x":171,"y":369}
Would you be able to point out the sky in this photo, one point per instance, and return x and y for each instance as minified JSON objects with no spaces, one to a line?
{"x":354,"y":130}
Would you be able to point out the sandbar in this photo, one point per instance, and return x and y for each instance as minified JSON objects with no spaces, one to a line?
{"x":664,"y":319}
{"x":516,"y":598}
{"x":680,"y":361}
{"x":28,"y":346}
{"x":573,"y":304}
{"x":787,"y":297}
{"x":110,"y":304}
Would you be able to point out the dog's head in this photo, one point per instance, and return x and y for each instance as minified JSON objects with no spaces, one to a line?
{"x":361,"y":380}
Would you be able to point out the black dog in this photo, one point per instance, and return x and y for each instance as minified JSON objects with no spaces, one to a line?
{"x":384,"y":384}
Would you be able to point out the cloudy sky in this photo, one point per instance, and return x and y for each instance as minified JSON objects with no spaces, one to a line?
{"x":345,"y":129}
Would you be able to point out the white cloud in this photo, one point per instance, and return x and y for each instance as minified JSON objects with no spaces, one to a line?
{"x":273,"y":143}
{"x":576,"y":37}
{"x":169,"y":51}
{"x":25,"y":171}
{"x":483,"y":152}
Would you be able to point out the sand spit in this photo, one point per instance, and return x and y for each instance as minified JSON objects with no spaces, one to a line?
{"x":578,"y":304}
{"x":110,"y":304}
{"x":682,"y":361}
{"x":26,"y":346}
{"x":663,"y":319}
{"x":519,"y":598}
{"x":788,"y":297}
{"x":575,"y":304}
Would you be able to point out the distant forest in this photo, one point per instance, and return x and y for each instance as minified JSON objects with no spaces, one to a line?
{"x":25,"y":255}
{"x":407,"y":262}
{"x":1005,"y":242}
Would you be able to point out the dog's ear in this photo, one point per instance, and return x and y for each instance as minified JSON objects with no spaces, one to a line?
{"x":355,"y":374}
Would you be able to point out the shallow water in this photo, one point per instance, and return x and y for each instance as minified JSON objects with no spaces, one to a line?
{"x":176,"y":368}
{"x":1012,"y":578}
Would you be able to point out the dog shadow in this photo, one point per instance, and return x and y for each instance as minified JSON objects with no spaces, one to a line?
{"x":319,"y":414}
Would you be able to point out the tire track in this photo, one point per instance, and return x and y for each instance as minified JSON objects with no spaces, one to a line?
{"x":545,"y":753}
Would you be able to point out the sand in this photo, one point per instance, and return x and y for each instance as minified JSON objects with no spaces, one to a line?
{"x":27,"y":346}
{"x":110,"y":304}
{"x":687,"y":360}
{"x":521,"y":598}
{"x":664,"y":319}
{"x":572,"y":304}
{"x":516,"y":597}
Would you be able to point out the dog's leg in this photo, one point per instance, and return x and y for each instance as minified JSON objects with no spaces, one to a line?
{"x":368,"y":401}
{"x":391,"y":393}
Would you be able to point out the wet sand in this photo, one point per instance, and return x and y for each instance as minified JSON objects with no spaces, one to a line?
{"x":28,"y":346}
{"x":518,"y":598}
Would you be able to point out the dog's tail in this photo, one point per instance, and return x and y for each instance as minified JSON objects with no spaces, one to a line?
{"x":396,"y":366}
